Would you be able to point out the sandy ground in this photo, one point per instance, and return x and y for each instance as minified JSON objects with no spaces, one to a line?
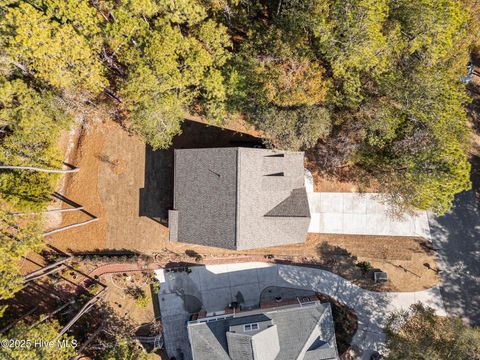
{"x":81,"y":188}
{"x":122,"y":183}
{"x":124,"y":304}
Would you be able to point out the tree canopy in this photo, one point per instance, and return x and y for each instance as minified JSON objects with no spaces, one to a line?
{"x":50,"y":50}
{"x":17,"y":238}
{"x":32,"y":121}
{"x":381,"y":77}
{"x":45,"y":333}
{"x":173,"y":53}
{"x":125,"y":349}
{"x":388,"y":74}
{"x":420,"y":334}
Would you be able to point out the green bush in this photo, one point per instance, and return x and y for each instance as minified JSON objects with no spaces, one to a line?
{"x":365,"y":266}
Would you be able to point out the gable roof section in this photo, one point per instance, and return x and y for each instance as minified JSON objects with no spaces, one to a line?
{"x":301,"y":332}
{"x":203,"y":340}
{"x":205,"y":196}
{"x":296,"y":205}
{"x":272,"y":201}
{"x":239,"y":198}
{"x":262,"y":345}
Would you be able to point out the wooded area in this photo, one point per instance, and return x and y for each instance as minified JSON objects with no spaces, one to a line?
{"x":381,"y":79}
{"x":373,"y":85}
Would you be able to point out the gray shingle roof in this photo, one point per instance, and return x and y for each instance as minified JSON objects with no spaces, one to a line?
{"x":295,"y":332}
{"x":205,"y":196}
{"x":296,"y":205}
{"x":239,"y":198}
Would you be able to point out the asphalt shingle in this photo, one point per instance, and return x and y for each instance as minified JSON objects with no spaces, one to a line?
{"x":240,"y":198}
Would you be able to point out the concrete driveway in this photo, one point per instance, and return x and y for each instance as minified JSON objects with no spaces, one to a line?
{"x":361,"y":214}
{"x":456,"y":236}
{"x":213,"y":287}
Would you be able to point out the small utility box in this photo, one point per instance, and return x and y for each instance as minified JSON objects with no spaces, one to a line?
{"x":380,"y":276}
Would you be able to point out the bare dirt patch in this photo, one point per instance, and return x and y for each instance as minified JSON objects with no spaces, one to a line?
{"x":129,"y":188}
{"x":81,"y":188}
{"x":340,"y":182}
{"x":121,"y":297}
{"x":409,"y":262}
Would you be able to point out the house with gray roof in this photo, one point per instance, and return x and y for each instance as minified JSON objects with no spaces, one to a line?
{"x":239,"y":198}
{"x":294,"y":332}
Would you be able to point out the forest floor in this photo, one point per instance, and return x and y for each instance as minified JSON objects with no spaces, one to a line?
{"x":128,"y":187}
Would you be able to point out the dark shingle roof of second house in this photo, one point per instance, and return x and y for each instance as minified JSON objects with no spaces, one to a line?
{"x":240,"y":198}
{"x":292,"y":332}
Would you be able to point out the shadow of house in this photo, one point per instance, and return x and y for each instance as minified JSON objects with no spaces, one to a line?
{"x":156,"y":197}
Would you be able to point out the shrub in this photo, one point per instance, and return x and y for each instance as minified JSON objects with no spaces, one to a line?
{"x":365,"y":266}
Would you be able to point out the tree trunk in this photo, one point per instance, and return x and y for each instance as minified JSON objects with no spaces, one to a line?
{"x":82,"y":311}
{"x":43,"y":269}
{"x":74,"y":169}
{"x":69,"y":227}
{"x":48,"y":211}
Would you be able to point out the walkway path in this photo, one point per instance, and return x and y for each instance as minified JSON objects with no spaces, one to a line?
{"x":214,"y":286}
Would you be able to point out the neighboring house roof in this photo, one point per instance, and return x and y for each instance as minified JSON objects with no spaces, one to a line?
{"x":284,"y":333}
{"x":239,"y":198}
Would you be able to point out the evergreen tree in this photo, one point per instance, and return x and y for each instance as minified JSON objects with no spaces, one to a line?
{"x":45,"y":333}
{"x":420,"y":334}
{"x":17,"y":238}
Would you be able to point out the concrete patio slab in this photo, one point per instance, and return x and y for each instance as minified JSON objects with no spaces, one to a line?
{"x":216,"y":299}
{"x":267,"y":276}
{"x":330,"y":202}
{"x":354,"y":223}
{"x":315,"y":204}
{"x":175,"y":304}
{"x":362,"y":214}
{"x":330,"y":223}
{"x":353,"y":204}
{"x":246,"y":294}
{"x":210,"y":280}
{"x":239,"y":277}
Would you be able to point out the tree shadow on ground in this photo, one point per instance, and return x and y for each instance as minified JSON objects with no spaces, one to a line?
{"x":156,"y":197}
{"x":340,"y":261}
{"x":455,"y":236}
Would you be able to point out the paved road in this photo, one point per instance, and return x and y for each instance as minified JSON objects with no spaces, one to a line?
{"x":213,"y":287}
{"x":457,"y":238}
